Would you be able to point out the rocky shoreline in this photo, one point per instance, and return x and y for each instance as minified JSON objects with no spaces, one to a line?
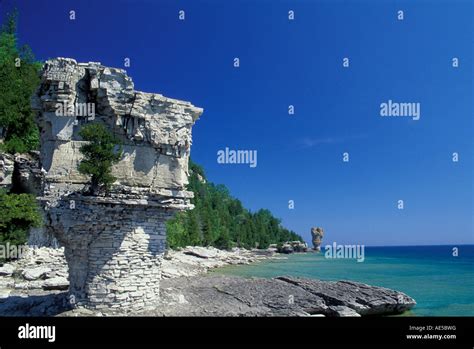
{"x":193,"y":261}
{"x":36,"y":286}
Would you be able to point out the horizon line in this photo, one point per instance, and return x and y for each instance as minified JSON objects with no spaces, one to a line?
{"x":453,"y":245}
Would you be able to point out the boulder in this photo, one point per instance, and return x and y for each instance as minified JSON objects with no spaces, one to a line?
{"x":6,"y":270}
{"x":28,"y":176}
{"x":201,"y":252}
{"x":56,"y":283}
{"x":35,"y":273}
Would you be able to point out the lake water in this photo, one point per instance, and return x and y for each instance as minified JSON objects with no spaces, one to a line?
{"x":442,"y":284}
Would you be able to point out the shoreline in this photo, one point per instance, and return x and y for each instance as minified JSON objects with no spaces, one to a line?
{"x":43,"y":269}
{"x":197,"y":260}
{"x":37,"y":285}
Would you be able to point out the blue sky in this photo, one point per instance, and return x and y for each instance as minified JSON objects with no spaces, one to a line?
{"x":337,"y":109}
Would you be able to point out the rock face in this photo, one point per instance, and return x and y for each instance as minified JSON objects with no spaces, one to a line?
{"x":21,"y":172}
{"x":27,"y":175}
{"x":317,"y":235}
{"x":113,"y":244}
{"x":6,"y":170}
{"x":155,"y":130}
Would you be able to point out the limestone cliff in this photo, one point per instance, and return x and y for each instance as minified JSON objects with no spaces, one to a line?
{"x":155,"y":130}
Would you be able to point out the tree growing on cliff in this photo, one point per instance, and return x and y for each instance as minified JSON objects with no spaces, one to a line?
{"x":19,"y":78}
{"x":100,"y":153}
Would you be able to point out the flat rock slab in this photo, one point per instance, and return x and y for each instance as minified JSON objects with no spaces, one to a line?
{"x":56,"y":283}
{"x":283,"y":296}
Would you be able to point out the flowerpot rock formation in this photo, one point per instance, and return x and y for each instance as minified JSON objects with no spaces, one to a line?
{"x":317,"y":235}
{"x":114,"y":243}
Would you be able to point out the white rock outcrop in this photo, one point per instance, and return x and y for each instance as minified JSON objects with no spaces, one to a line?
{"x":113,"y":243}
{"x":6,"y":170}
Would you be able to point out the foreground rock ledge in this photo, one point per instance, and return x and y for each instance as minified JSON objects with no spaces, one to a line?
{"x":281,"y":296}
{"x":216,"y":295}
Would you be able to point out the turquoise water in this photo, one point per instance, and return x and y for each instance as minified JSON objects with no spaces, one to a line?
{"x":442,"y":285}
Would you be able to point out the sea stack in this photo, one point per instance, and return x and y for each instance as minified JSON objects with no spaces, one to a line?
{"x":317,"y":234}
{"x":114,"y":243}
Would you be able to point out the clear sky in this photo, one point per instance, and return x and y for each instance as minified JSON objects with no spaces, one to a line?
{"x":337,"y":109}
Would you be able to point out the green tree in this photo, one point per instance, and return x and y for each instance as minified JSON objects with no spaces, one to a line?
{"x":19,"y":213}
{"x":220,"y":220}
{"x":19,"y":78}
{"x":176,"y":232}
{"x":207,"y":227}
{"x":223,"y":241}
{"x":100,"y":153}
{"x":193,"y":229}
